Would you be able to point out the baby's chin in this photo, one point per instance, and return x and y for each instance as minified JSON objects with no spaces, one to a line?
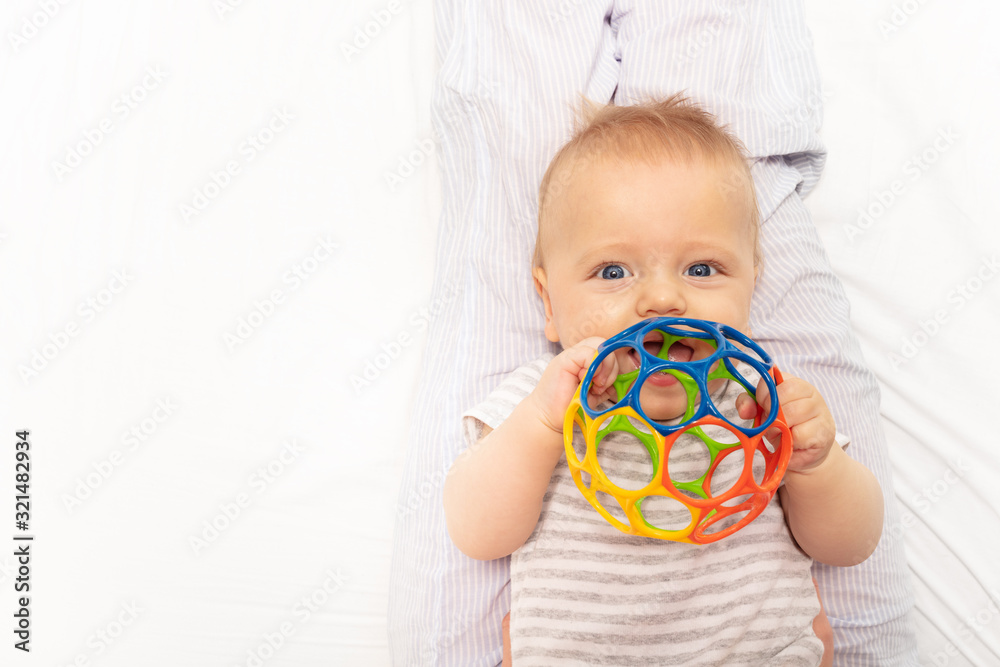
{"x":660,"y":410}
{"x":666,"y":409}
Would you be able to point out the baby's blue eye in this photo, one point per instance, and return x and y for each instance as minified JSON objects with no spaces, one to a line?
{"x":614,"y":272}
{"x":700,"y":270}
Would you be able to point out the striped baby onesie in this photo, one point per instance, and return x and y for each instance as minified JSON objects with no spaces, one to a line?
{"x":585,"y":593}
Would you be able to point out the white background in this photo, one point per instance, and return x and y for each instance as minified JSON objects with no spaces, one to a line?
{"x":223,"y":359}
{"x":911,"y":102}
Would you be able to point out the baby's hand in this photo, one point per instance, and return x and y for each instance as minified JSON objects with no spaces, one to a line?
{"x":807,"y":417}
{"x":564,"y":374}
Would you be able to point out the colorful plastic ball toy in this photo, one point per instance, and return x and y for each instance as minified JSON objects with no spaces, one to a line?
{"x":714,"y":513}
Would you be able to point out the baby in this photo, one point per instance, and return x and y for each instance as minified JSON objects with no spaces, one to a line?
{"x":649,"y":211}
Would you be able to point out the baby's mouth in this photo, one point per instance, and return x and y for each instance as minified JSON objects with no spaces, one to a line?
{"x":679,"y":351}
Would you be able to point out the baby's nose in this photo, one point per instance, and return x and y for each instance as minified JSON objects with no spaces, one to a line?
{"x":663,"y":297}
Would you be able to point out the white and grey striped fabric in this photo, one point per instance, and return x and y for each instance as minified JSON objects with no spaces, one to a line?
{"x":511,"y":74}
{"x":583,"y":592}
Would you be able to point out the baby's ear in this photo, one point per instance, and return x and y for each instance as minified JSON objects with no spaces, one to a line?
{"x":541,"y":286}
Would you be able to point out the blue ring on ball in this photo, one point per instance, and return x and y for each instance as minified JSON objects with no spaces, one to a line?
{"x":725,"y":350}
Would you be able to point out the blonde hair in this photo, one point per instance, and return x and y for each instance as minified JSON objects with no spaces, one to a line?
{"x":674,"y":128}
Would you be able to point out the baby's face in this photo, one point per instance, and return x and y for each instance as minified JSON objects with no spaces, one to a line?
{"x":621,"y":243}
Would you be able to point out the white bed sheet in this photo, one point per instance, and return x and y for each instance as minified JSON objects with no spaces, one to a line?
{"x":337,"y":96}
{"x":300,"y":575}
{"x":906,"y":209}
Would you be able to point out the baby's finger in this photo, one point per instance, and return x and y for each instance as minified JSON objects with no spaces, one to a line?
{"x":763,"y":396}
{"x":605,"y":375}
{"x":793,"y":389}
{"x":605,"y":395}
{"x":745,"y":406}
{"x":583,"y":354}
